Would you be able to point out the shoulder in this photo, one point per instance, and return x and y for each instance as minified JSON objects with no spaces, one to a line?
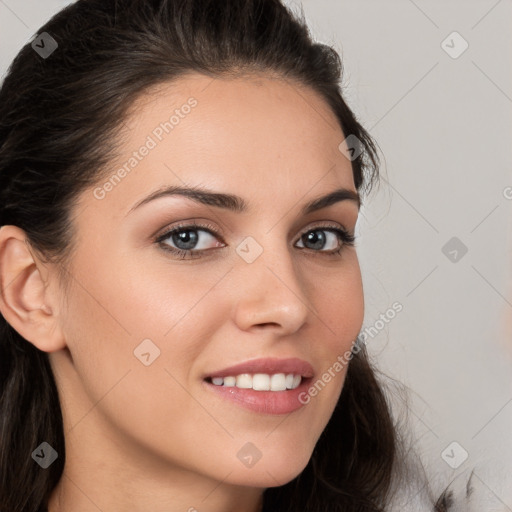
{"x":458,"y":496}
{"x":469,"y":491}
{"x":476,"y":490}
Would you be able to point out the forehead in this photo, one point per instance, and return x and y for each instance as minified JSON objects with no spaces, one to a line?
{"x":252,"y":135}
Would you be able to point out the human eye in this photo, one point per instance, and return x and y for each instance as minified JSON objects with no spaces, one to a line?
{"x":337,"y":236}
{"x":188,"y":246}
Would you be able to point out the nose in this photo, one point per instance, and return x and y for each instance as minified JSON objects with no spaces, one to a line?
{"x":271,"y":293}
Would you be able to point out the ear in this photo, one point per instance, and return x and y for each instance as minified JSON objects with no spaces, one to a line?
{"x":25,"y":301}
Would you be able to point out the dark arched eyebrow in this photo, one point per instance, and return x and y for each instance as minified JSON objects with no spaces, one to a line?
{"x":238,"y":205}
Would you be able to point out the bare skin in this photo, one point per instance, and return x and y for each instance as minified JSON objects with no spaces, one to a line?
{"x":155,"y":437}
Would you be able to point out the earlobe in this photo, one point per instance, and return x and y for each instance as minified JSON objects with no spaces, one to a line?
{"x":24,"y":297}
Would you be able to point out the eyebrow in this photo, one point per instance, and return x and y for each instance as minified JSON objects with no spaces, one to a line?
{"x":238,"y":205}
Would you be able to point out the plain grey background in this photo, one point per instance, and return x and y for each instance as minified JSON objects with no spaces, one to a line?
{"x":431,"y":81}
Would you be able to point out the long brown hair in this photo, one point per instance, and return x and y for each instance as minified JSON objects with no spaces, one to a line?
{"x":59,"y":116}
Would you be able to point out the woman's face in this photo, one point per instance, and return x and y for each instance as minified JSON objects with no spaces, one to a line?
{"x":147,"y":330}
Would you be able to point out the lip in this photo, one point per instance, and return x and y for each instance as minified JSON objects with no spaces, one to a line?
{"x":264,"y":402}
{"x":269,"y":366}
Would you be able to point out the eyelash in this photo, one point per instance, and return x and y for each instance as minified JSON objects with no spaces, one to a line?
{"x":347,"y":238}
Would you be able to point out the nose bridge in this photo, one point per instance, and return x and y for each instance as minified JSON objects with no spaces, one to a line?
{"x":271,"y":289}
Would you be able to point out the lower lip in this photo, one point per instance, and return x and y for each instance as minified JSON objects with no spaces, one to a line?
{"x":266,"y":402}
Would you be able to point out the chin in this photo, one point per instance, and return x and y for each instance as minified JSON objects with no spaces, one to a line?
{"x":273,"y":470}
{"x":264,"y":477}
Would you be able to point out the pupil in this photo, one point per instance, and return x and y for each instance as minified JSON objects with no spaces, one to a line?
{"x":185,"y":237}
{"x":318,"y":241}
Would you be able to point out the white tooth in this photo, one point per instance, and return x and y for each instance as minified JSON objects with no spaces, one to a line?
{"x":218,"y":381}
{"x":229,"y":381}
{"x":289,"y":381}
{"x":244,"y":380}
{"x":261,"y":382}
{"x":278,"y":382}
{"x":296,"y":381}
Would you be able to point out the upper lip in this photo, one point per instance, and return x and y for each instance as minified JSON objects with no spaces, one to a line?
{"x":268,"y":365}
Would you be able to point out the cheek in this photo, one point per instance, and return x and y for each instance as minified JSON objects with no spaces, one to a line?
{"x":123,"y":313}
{"x":134,"y":298}
{"x":107,"y":319}
{"x":339,"y":301}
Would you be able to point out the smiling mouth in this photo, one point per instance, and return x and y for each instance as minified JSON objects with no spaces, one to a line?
{"x":260,"y":381}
